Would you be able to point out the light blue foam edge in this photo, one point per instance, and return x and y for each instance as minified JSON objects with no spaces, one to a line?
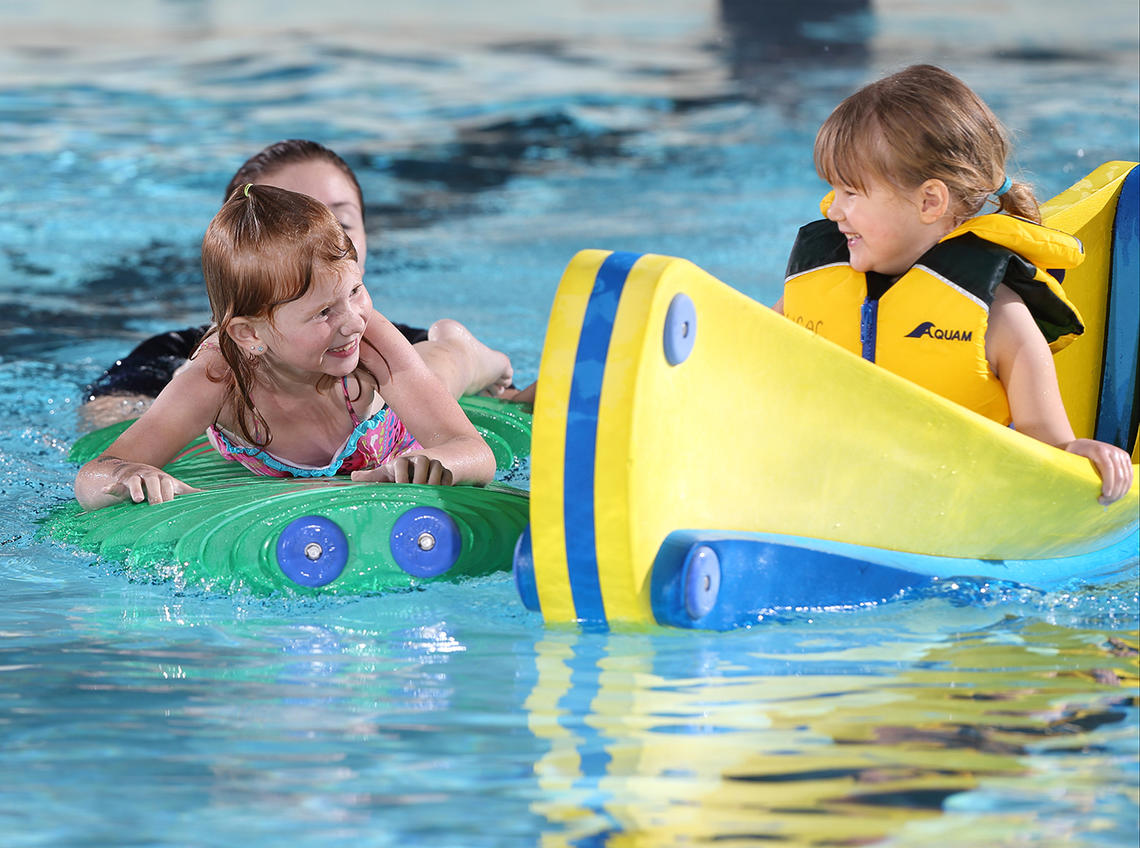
{"x":1115,"y":551}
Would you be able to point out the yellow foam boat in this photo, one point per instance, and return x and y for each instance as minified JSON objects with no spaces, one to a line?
{"x":698,"y":460}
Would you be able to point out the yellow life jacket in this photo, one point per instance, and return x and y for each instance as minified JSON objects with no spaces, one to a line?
{"x":930,"y":325}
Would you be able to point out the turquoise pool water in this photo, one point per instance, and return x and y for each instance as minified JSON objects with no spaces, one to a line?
{"x":494,"y":140}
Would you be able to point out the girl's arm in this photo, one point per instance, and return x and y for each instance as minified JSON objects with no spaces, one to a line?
{"x":131,"y":467}
{"x":451,"y":445}
{"x":1021,"y":358}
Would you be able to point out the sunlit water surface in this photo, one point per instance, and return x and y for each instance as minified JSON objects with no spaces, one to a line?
{"x":494,"y":140}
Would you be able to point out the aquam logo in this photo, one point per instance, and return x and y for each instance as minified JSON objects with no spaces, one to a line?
{"x":927,"y":330}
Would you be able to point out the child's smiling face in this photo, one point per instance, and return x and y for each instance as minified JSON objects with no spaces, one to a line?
{"x":321,"y":331}
{"x":884,"y":227}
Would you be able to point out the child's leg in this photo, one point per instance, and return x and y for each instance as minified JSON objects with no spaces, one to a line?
{"x":464,"y":364}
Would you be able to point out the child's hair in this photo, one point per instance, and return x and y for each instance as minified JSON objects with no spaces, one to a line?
{"x":259,"y":253}
{"x":918,"y":124}
{"x":292,"y":151}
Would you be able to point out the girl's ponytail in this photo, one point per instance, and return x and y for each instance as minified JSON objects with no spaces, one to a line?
{"x":1017,"y":199}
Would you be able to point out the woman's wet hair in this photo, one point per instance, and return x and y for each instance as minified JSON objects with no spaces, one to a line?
{"x":918,"y":124}
{"x":294,"y":151}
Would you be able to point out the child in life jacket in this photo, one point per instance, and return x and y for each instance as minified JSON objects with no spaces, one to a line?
{"x":910,"y":272}
{"x":299,"y":375}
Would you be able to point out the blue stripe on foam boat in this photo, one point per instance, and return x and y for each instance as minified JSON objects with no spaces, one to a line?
{"x":582,"y":435}
{"x":1118,"y":410}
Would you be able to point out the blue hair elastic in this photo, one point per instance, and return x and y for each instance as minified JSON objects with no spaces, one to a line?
{"x":1006,"y":184}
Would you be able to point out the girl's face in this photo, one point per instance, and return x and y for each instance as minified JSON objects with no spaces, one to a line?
{"x":320,"y":332}
{"x":884,"y":227}
{"x":324,"y":181}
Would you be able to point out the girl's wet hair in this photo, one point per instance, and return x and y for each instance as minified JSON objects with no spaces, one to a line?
{"x":918,"y":124}
{"x":260,"y":252}
{"x":293,"y":151}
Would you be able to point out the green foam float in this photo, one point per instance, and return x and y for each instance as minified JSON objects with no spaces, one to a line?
{"x":269,"y":535}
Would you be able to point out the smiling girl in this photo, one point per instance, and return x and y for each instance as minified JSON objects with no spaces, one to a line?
{"x":907,"y":270}
{"x":130,"y":385}
{"x":299,"y":375}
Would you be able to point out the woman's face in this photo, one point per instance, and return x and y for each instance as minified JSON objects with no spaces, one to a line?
{"x":327,"y":183}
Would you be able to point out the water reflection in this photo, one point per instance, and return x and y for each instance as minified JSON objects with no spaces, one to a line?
{"x":667,"y":742}
{"x":450,"y":717}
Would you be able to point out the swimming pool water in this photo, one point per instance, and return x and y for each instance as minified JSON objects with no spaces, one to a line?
{"x":493,"y":140}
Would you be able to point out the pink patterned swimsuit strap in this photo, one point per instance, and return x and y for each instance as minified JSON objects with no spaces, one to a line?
{"x":348,"y":402}
{"x":370,"y":444}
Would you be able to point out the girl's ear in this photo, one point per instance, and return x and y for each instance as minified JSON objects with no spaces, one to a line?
{"x":933,"y":201}
{"x":244,"y":333}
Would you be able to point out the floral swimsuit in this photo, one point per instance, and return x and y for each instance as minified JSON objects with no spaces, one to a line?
{"x":371,"y":444}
